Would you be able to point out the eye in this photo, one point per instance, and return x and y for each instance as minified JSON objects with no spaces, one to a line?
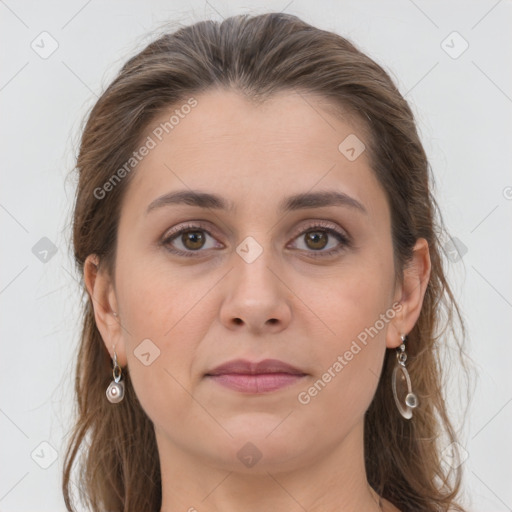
{"x":193,"y":238}
{"x":316,"y":238}
{"x":188,"y":240}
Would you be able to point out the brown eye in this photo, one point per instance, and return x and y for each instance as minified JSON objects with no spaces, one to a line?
{"x":193,"y":240}
{"x":319,"y":240}
{"x":190,"y":241}
{"x":316,"y":239}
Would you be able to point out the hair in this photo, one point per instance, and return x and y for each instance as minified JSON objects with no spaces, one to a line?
{"x":259,"y":56}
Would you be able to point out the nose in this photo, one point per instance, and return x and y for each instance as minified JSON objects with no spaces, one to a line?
{"x":256,"y":297}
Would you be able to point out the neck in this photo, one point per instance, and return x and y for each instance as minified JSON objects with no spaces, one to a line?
{"x":333,"y":481}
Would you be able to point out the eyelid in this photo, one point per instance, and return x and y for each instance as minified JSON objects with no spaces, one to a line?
{"x":188,"y":226}
{"x":333,"y":231}
{"x":172,"y":234}
{"x":330,"y":227}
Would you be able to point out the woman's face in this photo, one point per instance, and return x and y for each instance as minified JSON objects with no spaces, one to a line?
{"x":271,"y":275}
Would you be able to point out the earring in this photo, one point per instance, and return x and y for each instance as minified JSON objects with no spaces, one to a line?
{"x":399,"y":378}
{"x":115,"y":391}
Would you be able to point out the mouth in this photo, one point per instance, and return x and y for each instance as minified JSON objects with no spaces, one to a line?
{"x":252,"y":377}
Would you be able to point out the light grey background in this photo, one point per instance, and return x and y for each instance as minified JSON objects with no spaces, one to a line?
{"x":463,"y":104}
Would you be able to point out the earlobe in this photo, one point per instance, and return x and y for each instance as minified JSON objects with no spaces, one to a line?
{"x":416,"y":276}
{"x":394,"y":333}
{"x":102,"y":294}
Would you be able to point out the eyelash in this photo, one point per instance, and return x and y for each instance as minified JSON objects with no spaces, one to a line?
{"x":319,"y":225}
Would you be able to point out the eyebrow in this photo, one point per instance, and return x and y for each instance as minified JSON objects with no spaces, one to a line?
{"x":292,"y":203}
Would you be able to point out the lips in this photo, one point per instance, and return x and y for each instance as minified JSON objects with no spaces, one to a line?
{"x":242,"y":366}
{"x":251,"y":377}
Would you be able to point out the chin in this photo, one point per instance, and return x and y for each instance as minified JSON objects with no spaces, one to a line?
{"x":255,"y":451}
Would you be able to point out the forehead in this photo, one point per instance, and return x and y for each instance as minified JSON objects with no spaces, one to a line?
{"x":288,"y":121}
{"x":251,"y":152}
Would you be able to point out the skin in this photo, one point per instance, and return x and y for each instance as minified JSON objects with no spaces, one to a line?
{"x":207,"y":309}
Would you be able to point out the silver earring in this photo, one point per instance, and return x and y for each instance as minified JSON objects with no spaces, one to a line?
{"x":400,"y":378}
{"x":115,"y":391}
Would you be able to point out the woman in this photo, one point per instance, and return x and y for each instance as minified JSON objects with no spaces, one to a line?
{"x":260,"y":255}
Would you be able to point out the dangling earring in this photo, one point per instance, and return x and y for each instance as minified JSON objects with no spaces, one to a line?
{"x":401,"y":376}
{"x":115,"y":391}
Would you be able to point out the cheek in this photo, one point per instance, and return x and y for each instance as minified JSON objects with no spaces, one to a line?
{"x":160,"y":326}
{"x":155,"y":296}
{"x":357,"y":309}
{"x":355,"y":316}
{"x":357,"y":297}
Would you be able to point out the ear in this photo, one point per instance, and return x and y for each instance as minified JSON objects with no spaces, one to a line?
{"x":410,"y":294}
{"x":101,"y":290}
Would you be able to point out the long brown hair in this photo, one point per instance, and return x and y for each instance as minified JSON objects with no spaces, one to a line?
{"x":258,"y":56}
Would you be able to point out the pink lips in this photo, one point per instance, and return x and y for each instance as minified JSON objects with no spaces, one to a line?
{"x":251,"y":377}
